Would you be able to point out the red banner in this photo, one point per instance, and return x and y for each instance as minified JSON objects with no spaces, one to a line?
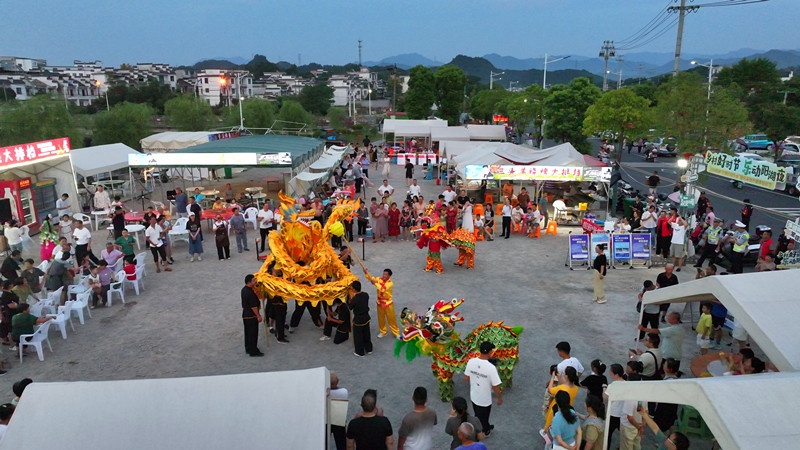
{"x":35,"y":151}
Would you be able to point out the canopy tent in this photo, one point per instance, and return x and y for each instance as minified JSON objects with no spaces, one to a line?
{"x":562,"y":155}
{"x":90,"y":161}
{"x":743,"y":412}
{"x":304,"y":182}
{"x":439,"y":134}
{"x":449,"y":149}
{"x":424,"y":126}
{"x":761,"y":302}
{"x":303,"y":150}
{"x":174,"y":140}
{"x":290,"y":408}
{"x":324,"y":163}
{"x":487,"y":132}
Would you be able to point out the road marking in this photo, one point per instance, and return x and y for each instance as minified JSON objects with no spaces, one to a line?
{"x":790,"y":212}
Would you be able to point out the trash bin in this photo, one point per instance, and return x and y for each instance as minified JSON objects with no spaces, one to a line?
{"x":627,"y":205}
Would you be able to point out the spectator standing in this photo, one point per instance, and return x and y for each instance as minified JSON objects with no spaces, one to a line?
{"x":704,"y":328}
{"x":599,"y":265}
{"x":251,"y":316}
{"x":711,"y":236}
{"x":221,"y":237}
{"x":563,"y":349}
{"x":31,"y":275}
{"x":195,"y":207}
{"x":483,"y":378}
{"x":266,"y":223}
{"x":449,"y":194}
{"x":676,"y":440}
{"x":238,"y":225}
{"x":458,"y":416}
{"x":650,"y":358}
{"x":570,"y":386}
{"x":566,"y":428}
{"x":13,"y":234}
{"x":153,"y":236}
{"x":596,"y":382}
{"x":594,"y":424}
{"x":631,"y":424}
{"x":64,"y":205}
{"x":615,"y":409}
{"x":83,"y":241}
{"x":466,"y":435}
{"x":747,"y":213}
{"x":652,"y":183}
{"x":651,"y":312}
{"x":181,"y":202}
{"x":193,"y":226}
{"x":416,"y":429}
{"x":409,"y":176}
{"x":524,"y":200}
{"x":663,"y":235}
{"x":507,"y":210}
{"x":338,"y":393}
{"x":665,"y":279}
{"x":678,"y":242}
{"x":118,"y":221}
{"x":359,"y":304}
{"x":102,"y":202}
{"x":369,"y":430}
{"x":672,"y":337}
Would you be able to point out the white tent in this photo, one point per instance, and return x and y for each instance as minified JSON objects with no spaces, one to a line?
{"x":449,"y":134}
{"x":763,"y":303}
{"x":449,"y":149}
{"x":285,"y":409}
{"x":562,"y":155}
{"x":174,"y":140}
{"x":90,"y":161}
{"x":487,"y":132}
{"x":743,"y":412}
{"x":495,"y":153}
{"x":303,"y":182}
{"x":392,"y":125}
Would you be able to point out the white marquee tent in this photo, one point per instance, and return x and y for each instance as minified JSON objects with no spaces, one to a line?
{"x":90,"y":161}
{"x":763,"y":303}
{"x":439,"y":134}
{"x":400,"y":127}
{"x":288,"y":409}
{"x":748,"y":412}
{"x":486,"y":132}
{"x":318,"y":172}
{"x":174,"y":140}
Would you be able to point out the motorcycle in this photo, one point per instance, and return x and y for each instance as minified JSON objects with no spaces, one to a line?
{"x":737,"y":184}
{"x":753,"y":248}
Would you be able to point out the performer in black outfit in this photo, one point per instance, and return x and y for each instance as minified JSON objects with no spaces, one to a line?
{"x":275,"y":309}
{"x":359,"y":304}
{"x":251,"y":316}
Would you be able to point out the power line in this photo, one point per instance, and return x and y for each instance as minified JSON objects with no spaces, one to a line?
{"x":647,"y":27}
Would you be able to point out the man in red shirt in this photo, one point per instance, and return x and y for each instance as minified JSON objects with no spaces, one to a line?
{"x":766,"y":245}
{"x":663,"y":234}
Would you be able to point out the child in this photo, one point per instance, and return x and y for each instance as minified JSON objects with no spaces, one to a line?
{"x":65,"y":227}
{"x":130,"y":270}
{"x":94,"y":284}
{"x":596,"y":382}
{"x":117,"y":202}
{"x":704,"y":329}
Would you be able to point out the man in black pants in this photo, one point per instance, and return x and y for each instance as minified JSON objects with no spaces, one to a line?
{"x":315,"y":310}
{"x":275,"y":309}
{"x":251,"y":316}
{"x":359,"y":304}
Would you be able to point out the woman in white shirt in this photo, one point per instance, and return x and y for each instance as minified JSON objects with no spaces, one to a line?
{"x":506,"y":232}
{"x":153,"y":236}
{"x":466,"y":217}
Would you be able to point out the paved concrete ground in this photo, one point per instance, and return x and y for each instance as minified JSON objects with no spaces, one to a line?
{"x":187,"y":323}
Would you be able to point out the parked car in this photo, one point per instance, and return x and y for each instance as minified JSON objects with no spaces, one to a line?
{"x":753,"y":156}
{"x":755,"y":142}
{"x":790,"y":148}
{"x":790,"y":161}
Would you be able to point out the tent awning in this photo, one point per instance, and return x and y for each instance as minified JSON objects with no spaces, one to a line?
{"x":487,"y":132}
{"x":89,"y":161}
{"x":743,"y":412}
{"x":311,"y":176}
{"x":174,"y":140}
{"x":391,"y":125}
{"x":300,"y":148}
{"x":449,"y":134}
{"x":761,"y":302}
{"x":196,"y":412}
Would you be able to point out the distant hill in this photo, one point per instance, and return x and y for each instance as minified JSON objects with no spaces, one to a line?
{"x":215,"y":64}
{"x":481,"y":68}
{"x":404,"y":61}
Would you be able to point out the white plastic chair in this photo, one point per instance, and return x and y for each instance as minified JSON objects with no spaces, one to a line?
{"x":179,"y":231}
{"x":141,"y":261}
{"x":36,"y":340}
{"x":78,"y":288}
{"x":44,"y":265}
{"x":135,"y":283}
{"x":250,"y":215}
{"x":118,"y":265}
{"x":117,"y":287}
{"x":81,"y":303}
{"x":60,"y":320}
{"x":53,"y":299}
{"x":87,"y":221}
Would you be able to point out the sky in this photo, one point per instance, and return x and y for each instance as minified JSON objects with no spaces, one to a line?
{"x":181,"y":32}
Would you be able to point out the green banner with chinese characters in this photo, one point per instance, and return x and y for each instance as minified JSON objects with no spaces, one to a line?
{"x":758,"y":173}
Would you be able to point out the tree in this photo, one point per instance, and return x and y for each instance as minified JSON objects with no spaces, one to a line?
{"x":646,"y":90}
{"x":525,"y":108}
{"x":485,"y":104}
{"x":336,"y":118}
{"x":257,"y":113}
{"x":565,"y":109}
{"x":38,"y":119}
{"x":188,"y":113}
{"x":620,"y":110}
{"x":259,"y":64}
{"x":8,"y":95}
{"x":127,"y":123}
{"x":449,"y":83}
{"x":757,"y":84}
{"x":421,"y":93}
{"x":316,"y":98}
{"x":293,"y":117}
{"x":152,"y":93}
{"x":681,"y":110}
{"x":782,"y":121}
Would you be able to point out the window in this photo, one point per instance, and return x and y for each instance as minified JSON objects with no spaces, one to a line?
{"x":206,"y":90}
{"x":205,"y":81}
{"x":19,"y":91}
{"x":172,"y":78}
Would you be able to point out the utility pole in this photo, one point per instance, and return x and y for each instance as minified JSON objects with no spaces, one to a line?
{"x":619,"y":70}
{"x":606,"y":51}
{"x":359,"y":53}
{"x":394,"y":89}
{"x":492,"y":76}
{"x":679,"y":41}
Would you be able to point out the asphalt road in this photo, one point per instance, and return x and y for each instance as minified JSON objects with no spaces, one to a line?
{"x":772,"y":208}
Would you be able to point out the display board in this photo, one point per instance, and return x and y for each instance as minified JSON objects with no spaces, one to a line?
{"x":578,"y":249}
{"x":758,"y":173}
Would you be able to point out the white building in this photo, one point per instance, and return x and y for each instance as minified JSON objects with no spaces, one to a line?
{"x":218,"y":86}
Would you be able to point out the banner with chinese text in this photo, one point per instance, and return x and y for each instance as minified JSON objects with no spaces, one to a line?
{"x":747,"y":170}
{"x":15,"y":155}
{"x":526,"y":173}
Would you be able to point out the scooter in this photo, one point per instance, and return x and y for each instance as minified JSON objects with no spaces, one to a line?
{"x":753,"y":248}
{"x":737,"y":184}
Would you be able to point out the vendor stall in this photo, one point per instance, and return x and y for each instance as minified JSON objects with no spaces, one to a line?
{"x":32,"y":177}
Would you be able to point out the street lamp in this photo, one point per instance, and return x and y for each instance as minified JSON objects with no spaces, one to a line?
{"x":619,"y":75}
{"x":710,"y":66}
{"x":492,"y":76}
{"x":369,"y":101}
{"x":98,"y":84}
{"x":546,"y":61}
{"x":222,"y":83}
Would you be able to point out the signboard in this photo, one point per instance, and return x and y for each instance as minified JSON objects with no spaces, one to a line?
{"x":275,"y":159}
{"x":192,"y":159}
{"x":579,"y":247}
{"x":601,"y":174}
{"x":16,"y":155}
{"x":224,"y":135}
{"x":640,"y":245}
{"x":526,"y":173}
{"x":596,"y":239}
{"x":758,"y":173}
{"x":790,"y":259}
{"x":621,"y":247}
{"x":793,"y":229}
{"x":687,"y":201}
